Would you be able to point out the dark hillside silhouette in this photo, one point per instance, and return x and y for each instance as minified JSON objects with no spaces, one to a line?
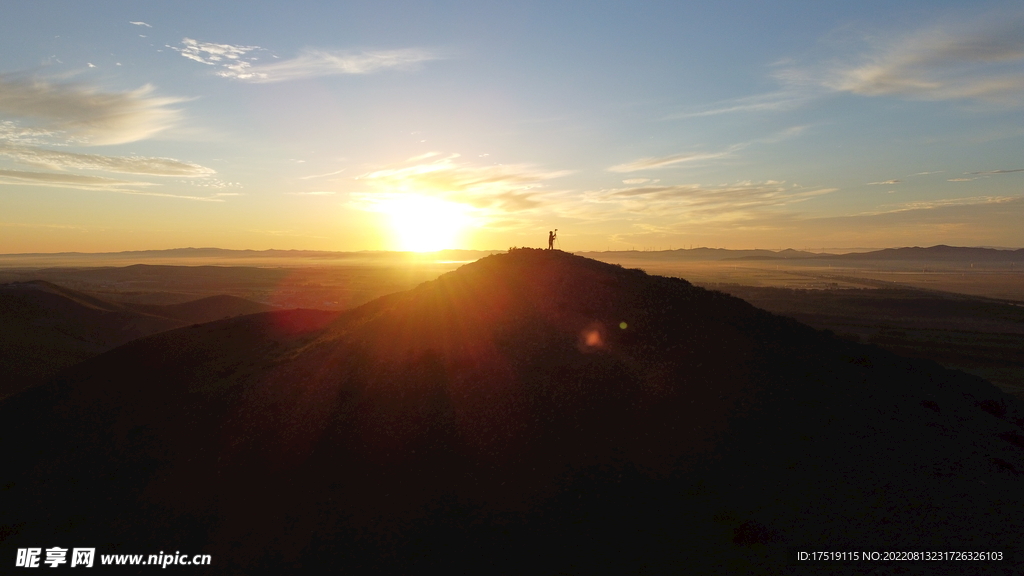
{"x":45,"y":327}
{"x":532,"y":412}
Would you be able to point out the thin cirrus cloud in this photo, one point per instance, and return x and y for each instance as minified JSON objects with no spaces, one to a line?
{"x":211,"y":53}
{"x":493,"y":188}
{"x":315,"y":63}
{"x":91,"y":183}
{"x":672,"y":160}
{"x":886,"y":182}
{"x":84,"y":113}
{"x":656,"y":162}
{"x":981,"y":61}
{"x":239,"y":63}
{"x":694,"y":202}
{"x":999,"y":171}
{"x":943,"y":203}
{"x":771,"y":102}
{"x":59,"y":160}
{"x":977,"y":61}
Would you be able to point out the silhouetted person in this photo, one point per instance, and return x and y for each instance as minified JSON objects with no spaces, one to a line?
{"x":551,"y":240}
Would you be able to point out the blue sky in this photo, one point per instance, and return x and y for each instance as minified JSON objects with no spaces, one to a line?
{"x":390,"y":125}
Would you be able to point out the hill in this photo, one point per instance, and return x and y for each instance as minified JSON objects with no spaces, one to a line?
{"x":530,"y":412}
{"x":45,"y":328}
{"x":940,"y":253}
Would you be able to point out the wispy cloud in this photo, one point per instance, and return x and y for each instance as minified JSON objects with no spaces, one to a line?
{"x":674,"y":159}
{"x":695,"y":157}
{"x":12,"y":132}
{"x":772,"y":101}
{"x":960,"y":179}
{"x":212,"y":54}
{"x":91,"y":183}
{"x":694,"y":202}
{"x":85,"y":113}
{"x":63,"y":180}
{"x":141,"y":24}
{"x":943,"y":203}
{"x":59,"y":160}
{"x":237,"y":61}
{"x":315,"y":63}
{"x":999,"y":171}
{"x":887,"y":182}
{"x":979,"y":60}
{"x":963,"y":61}
{"x":496,"y":187}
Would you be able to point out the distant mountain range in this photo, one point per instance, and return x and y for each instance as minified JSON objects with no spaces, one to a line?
{"x":531,"y":412}
{"x":45,"y":328}
{"x":940,"y":253}
{"x":933,"y":253}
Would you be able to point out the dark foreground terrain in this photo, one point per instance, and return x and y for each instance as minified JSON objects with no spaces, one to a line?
{"x":532,"y":412}
{"x":981,"y":336}
{"x":45,"y":328}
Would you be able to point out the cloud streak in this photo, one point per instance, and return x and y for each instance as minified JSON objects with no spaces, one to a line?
{"x":672,"y":160}
{"x":978,"y":61}
{"x":59,"y":160}
{"x":212,"y":54}
{"x":238,"y":63}
{"x":770,"y":102}
{"x":694,"y":202}
{"x":657,"y":162}
{"x":965,"y":61}
{"x":85,"y":113}
{"x":943,"y":203}
{"x":90,"y":183}
{"x":316,"y":63}
{"x":999,"y":171}
{"x":495,"y":188}
{"x":61,"y":180}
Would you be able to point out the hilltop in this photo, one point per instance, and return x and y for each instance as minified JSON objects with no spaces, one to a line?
{"x":532,"y":411}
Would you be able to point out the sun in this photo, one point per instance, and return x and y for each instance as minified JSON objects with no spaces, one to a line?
{"x":424,"y":223}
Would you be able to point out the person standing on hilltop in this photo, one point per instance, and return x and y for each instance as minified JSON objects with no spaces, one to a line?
{"x":551,"y":240}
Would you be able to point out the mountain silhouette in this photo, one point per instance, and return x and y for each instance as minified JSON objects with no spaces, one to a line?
{"x":45,"y":327}
{"x":533,"y":412}
{"x":939,"y":253}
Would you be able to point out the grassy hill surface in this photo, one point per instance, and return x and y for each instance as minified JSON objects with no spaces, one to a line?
{"x":530,"y":412}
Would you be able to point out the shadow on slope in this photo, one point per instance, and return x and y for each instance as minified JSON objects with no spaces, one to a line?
{"x":45,"y":328}
{"x":533,"y":411}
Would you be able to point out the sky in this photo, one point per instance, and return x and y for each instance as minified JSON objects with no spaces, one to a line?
{"x":483,"y":125}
